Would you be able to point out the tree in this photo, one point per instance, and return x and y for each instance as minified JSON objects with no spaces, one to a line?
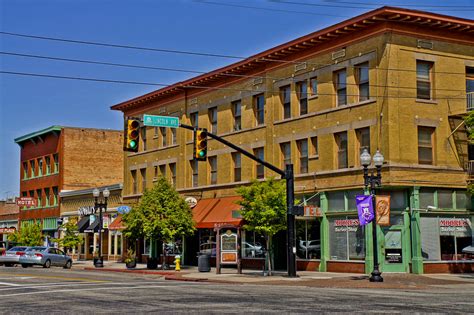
{"x":162,"y":214}
{"x":28,"y":235}
{"x":264,"y":210}
{"x":71,"y":237}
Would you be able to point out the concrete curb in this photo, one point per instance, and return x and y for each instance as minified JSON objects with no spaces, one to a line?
{"x":174,"y":278}
{"x":143,"y":272}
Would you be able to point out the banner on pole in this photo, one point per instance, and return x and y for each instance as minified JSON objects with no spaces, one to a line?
{"x":382,"y":209}
{"x":365,"y":209}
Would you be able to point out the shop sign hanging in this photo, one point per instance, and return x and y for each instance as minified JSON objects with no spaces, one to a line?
{"x":87,"y":210}
{"x":365,"y":209}
{"x":229,"y":248}
{"x":382,"y":210}
{"x":312,"y":211}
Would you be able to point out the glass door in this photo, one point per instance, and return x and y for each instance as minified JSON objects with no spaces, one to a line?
{"x":393,"y":258}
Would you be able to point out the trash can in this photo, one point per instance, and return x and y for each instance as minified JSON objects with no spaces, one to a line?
{"x":204,"y":263}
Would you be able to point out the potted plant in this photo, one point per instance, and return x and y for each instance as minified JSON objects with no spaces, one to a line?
{"x":130,"y":259}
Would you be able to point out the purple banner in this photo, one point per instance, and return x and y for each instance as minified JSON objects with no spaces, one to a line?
{"x":365,"y":209}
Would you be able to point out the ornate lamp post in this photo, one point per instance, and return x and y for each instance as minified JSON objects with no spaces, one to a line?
{"x":100,"y":205}
{"x":373,"y":181}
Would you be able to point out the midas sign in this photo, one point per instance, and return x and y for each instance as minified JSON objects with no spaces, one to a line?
{"x":26,"y":202}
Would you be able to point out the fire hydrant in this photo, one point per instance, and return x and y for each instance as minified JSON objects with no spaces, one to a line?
{"x":177,"y":261}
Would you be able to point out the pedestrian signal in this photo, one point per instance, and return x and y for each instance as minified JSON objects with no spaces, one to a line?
{"x":131,"y":135}
{"x":200,"y":144}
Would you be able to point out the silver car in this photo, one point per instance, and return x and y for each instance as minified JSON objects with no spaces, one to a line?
{"x":11,"y":257}
{"x":46,"y":257}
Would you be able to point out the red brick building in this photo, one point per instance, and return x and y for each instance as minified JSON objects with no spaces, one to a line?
{"x":62,"y":158}
{"x":8,"y":218}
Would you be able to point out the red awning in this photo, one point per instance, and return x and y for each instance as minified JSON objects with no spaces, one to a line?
{"x":117,"y":224}
{"x":211,"y":212}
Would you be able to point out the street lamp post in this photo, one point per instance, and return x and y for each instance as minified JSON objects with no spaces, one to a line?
{"x":373,"y":181}
{"x":100,"y":205}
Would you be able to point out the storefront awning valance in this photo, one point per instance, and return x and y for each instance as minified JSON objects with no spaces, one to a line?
{"x":211,"y":212}
{"x":117,"y":224}
{"x":83,"y":224}
{"x":93,"y":228}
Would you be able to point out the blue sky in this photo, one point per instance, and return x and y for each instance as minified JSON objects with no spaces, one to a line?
{"x":232,"y":27}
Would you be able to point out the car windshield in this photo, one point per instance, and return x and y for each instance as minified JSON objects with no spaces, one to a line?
{"x":37,"y":249}
{"x":17,"y":249}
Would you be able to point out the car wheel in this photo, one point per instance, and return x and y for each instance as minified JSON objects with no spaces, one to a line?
{"x":47,"y":264}
{"x":68,"y":265}
{"x":24,"y":265}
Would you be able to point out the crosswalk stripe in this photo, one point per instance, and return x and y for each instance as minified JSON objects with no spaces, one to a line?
{"x":10,"y":284}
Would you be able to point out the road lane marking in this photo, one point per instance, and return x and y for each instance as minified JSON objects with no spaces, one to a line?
{"x":69,"y":284}
{"x":9,"y":284}
{"x":91,"y":289}
{"x":51,"y":277}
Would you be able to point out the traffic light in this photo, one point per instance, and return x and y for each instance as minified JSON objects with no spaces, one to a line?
{"x":131,"y":135}
{"x":200,"y":144}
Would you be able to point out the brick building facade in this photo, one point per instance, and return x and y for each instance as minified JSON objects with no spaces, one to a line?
{"x":393,"y":80}
{"x":62,"y":158}
{"x":9,"y":213}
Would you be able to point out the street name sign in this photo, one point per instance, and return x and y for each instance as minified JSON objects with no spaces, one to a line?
{"x":160,"y":121}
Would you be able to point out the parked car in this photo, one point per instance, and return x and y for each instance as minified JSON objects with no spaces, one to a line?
{"x":46,"y":257}
{"x":253,"y":249}
{"x":11,"y":257}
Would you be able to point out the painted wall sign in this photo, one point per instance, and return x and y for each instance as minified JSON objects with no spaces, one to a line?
{"x":26,"y":202}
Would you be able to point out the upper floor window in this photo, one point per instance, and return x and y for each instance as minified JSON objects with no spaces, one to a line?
{"x":25,"y":170}
{"x":213,"y":169}
{"x":285,"y":95}
{"x":55,"y":196}
{"x":40,"y":166}
{"x":314,"y":146}
{"x":143,"y":136}
{"x":236,"y":157}
{"x":363,"y":139}
{"x":194,"y":117}
{"x":313,"y":85}
{"x":164,"y":138}
{"x":195,"y":174}
{"x":134,"y":182}
{"x":425,"y":145}
{"x":33,"y":168}
{"x":237,"y":113}
{"x":302,"y":88}
{"x":155,"y":174}
{"x":363,"y":81}
{"x":163,"y":170}
{"x":56,"y":162}
{"x":143,"y":175}
{"x":286,"y":153}
{"x":470,"y":87}
{"x":260,"y":170}
{"x":48,"y":165}
{"x":303,"y":151}
{"x":259,"y":103}
{"x":341,"y":143}
{"x":173,"y":174}
{"x":155,"y":132}
{"x":174,"y":138}
{"x":47,"y":197}
{"x":39,"y":197}
{"x":213,"y":119}
{"x":423,"y":79}
{"x":341,"y":87}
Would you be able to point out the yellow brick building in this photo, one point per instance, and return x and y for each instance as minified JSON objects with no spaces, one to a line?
{"x":392,"y":79}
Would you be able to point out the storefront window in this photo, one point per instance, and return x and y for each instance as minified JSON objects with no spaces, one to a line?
{"x":174,"y":248}
{"x":426,"y":197}
{"x":146,"y":246}
{"x":119,"y":244}
{"x":336,"y":201}
{"x":351,"y":198}
{"x":253,"y":245}
{"x":461,"y":199}
{"x":346,"y":239}
{"x":308,"y":239}
{"x":207,"y":242}
{"x":444,"y":238}
{"x":445,"y":199}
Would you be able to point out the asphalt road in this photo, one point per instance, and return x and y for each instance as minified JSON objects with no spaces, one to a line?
{"x":56,"y":290}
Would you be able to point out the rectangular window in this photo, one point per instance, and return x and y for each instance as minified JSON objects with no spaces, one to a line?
{"x":341,"y":142}
{"x":237,"y":113}
{"x":302,"y":88}
{"x":363,"y":81}
{"x":134,"y":182}
{"x":341,"y":87}
{"x":33,"y":168}
{"x":425,"y":145}
{"x":47,"y":197}
{"x":259,"y":104}
{"x":163,"y":170}
{"x":55,"y":196}
{"x":285,"y":95}
{"x":236,"y":157}
{"x":470,"y":88}
{"x":194,"y":117}
{"x":156,"y":132}
{"x":174,"y":139}
{"x":313,"y":84}
{"x":314,"y":146}
{"x":285,"y":153}
{"x":173,"y":174}
{"x":260,"y":170}
{"x":40,"y":166}
{"x":213,"y":169}
{"x":303,"y":151}
{"x":346,"y":239}
{"x":423,"y":79}
{"x":363,"y":139}
{"x":164,"y":140}
{"x":308,"y":238}
{"x":195,"y":174}
{"x":48,"y":165}
{"x":39,"y":197}
{"x":155,"y":173}
{"x":213,"y":119}
{"x":25,"y":170}
{"x":143,"y":136}
{"x":56,"y":162}
{"x":143,"y":176}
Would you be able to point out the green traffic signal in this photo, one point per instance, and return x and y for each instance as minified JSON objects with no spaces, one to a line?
{"x":133,"y":144}
{"x":201,"y":153}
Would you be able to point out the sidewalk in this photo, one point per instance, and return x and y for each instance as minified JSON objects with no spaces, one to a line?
{"x":305,"y":278}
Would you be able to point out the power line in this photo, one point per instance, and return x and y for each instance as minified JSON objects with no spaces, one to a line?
{"x":399,"y":4}
{"x":205,"y":87}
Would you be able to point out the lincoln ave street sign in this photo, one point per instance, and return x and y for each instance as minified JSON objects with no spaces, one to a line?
{"x":160,"y":121}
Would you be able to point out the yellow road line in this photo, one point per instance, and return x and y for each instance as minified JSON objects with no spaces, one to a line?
{"x":52,"y":277}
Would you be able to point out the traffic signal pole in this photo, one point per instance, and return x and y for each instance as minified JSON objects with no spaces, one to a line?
{"x":288,"y":175}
